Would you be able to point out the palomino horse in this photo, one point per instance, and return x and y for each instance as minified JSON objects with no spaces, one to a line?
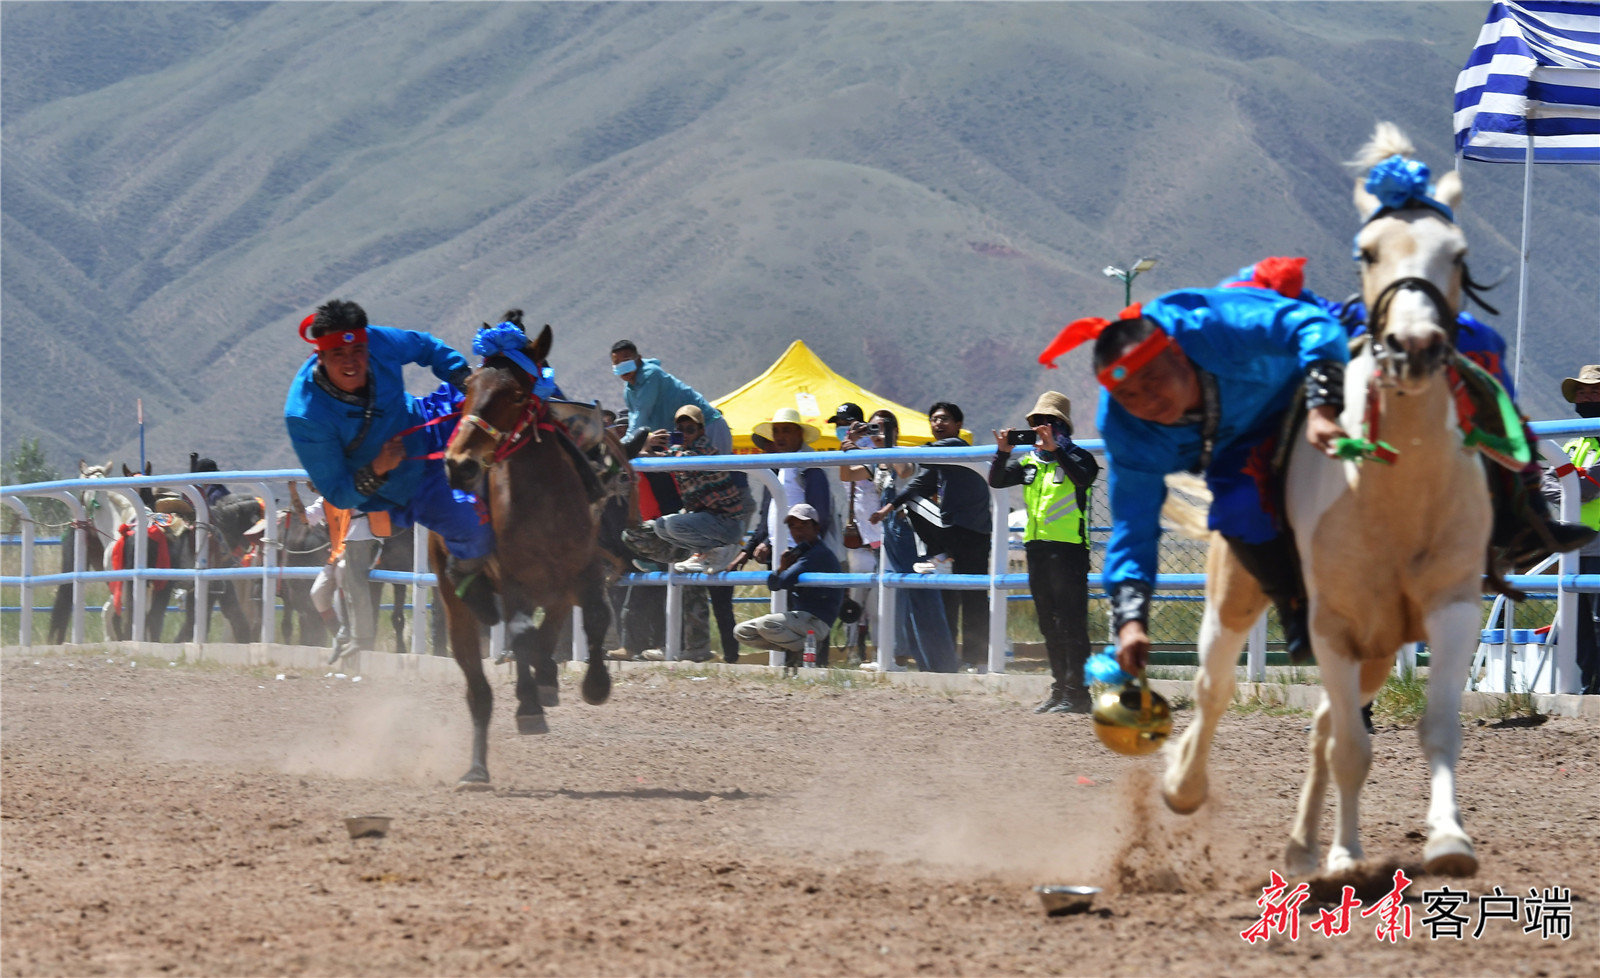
{"x":1392,"y":553}
{"x":508,"y":451}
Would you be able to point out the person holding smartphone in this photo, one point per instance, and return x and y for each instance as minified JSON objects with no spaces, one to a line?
{"x":1057,"y":478}
{"x":921,"y":630}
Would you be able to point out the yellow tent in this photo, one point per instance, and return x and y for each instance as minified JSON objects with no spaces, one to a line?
{"x":799,"y":379}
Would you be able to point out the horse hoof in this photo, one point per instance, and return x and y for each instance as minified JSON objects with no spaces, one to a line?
{"x":1300,"y":861}
{"x":476,"y":779}
{"x":1183,"y":806}
{"x":549,"y":695}
{"x":1450,"y":856}
{"x":596,"y":687}
{"x":532,"y":723}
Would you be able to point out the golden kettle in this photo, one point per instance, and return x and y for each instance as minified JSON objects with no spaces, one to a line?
{"x":1133,"y":720}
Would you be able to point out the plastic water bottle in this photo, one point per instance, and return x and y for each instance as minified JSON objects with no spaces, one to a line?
{"x":811,"y":649}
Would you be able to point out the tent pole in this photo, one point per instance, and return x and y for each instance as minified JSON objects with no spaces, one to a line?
{"x":1522,"y":276}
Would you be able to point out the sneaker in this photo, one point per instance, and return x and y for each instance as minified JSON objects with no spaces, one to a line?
{"x":937,"y":564}
{"x":698,"y":655}
{"x":870,"y":666}
{"x":696,"y":564}
{"x":648,"y":566}
{"x":1074,"y":700}
{"x":653,"y":655}
{"x":620,"y":655}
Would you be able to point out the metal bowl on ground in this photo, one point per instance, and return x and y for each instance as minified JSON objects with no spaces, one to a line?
{"x":367,"y":826}
{"x":1132,"y":720}
{"x":1062,"y":900}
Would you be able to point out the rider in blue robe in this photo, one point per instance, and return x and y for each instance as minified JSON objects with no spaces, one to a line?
{"x":363,"y":439}
{"x":1250,"y":350}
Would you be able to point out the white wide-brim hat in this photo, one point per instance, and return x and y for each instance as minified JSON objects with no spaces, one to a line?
{"x":808,"y":433}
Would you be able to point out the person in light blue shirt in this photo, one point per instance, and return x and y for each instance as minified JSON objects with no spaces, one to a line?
{"x":652,"y":396}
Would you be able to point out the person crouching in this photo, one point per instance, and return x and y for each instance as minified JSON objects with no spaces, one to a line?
{"x":814,"y":608}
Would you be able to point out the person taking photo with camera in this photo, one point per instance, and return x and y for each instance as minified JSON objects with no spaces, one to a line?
{"x":1057,"y":478}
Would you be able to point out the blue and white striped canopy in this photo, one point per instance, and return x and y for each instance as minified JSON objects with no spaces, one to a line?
{"x":1535,"y":69}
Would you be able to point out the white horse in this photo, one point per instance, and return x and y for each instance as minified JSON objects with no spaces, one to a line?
{"x":1392,"y":553}
{"x":104,"y":512}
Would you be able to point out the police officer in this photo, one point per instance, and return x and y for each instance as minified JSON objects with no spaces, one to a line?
{"x":1057,"y":477}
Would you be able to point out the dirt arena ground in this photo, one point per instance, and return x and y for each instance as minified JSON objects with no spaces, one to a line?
{"x":188,"y":820}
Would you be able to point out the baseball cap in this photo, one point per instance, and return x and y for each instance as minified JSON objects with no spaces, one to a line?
{"x":692,"y":413}
{"x":803,"y":511}
{"x":847,"y":412}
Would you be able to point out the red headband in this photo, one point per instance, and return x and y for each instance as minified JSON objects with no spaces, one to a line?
{"x":1082,"y":330}
{"x":330,"y":341}
{"x":1131,"y":362}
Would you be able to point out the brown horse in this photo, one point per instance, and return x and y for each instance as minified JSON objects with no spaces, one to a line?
{"x":508,"y":451}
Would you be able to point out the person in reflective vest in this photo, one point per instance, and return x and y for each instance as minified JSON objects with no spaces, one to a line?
{"x":1583,"y":393}
{"x":1057,"y":478}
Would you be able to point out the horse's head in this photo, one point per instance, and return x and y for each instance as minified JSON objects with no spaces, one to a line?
{"x":146,"y":494}
{"x":499,"y":407}
{"x":106,"y":510}
{"x":1412,"y":258}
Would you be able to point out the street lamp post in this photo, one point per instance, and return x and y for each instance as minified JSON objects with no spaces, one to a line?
{"x":1127,"y":276}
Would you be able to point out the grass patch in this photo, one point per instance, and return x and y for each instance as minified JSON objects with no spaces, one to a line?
{"x":1256,"y":705}
{"x":1402,"y":700}
{"x":1517,"y":710}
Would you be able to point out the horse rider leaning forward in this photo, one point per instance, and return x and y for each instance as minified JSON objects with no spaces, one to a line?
{"x":1199,"y":380}
{"x":362,"y":439}
{"x":1525,"y":529}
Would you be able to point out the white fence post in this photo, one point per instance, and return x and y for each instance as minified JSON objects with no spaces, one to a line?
{"x":420,"y":595}
{"x":136,"y":595}
{"x":25,"y":633}
{"x":672,"y":642}
{"x":269,"y":563}
{"x":885,"y":623}
{"x":1256,"y":650}
{"x":999,"y":563}
{"x":580,"y":640}
{"x":1564,"y":677}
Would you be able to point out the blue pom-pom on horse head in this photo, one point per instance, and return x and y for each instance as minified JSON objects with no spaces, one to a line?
{"x":508,"y":340}
{"x":1398,"y":182}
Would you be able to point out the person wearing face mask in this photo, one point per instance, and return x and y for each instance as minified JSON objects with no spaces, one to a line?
{"x":651,"y":395}
{"x":1583,"y":393}
{"x":1057,"y":477}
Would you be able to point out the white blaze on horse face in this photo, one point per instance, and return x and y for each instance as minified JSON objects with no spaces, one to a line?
{"x":1412,"y":244}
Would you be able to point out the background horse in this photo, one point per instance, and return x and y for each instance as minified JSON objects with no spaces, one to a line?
{"x":226,"y":545}
{"x":303,"y":545}
{"x":1391,"y":553}
{"x":103,"y":513}
{"x":520,"y":463}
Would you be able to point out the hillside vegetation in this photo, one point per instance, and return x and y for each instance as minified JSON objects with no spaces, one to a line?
{"x":922,"y":192}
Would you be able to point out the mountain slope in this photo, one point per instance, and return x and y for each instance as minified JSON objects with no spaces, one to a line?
{"x":922,"y":192}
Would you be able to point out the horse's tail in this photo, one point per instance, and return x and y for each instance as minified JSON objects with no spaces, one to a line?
{"x":1188,"y":506}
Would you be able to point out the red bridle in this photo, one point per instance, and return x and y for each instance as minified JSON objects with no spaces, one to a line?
{"x":535,"y":417}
